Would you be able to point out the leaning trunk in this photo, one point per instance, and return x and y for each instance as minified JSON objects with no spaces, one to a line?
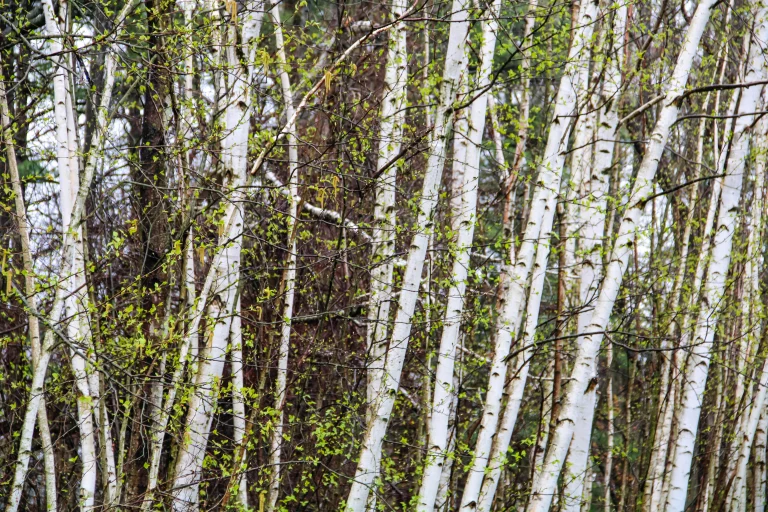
{"x":589,"y":343}
{"x":370,"y":454}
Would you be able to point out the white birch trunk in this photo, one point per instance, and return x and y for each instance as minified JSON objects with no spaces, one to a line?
{"x":289,"y":276}
{"x":577,"y":492}
{"x":223,"y":279}
{"x":741,"y":346}
{"x":589,"y":343}
{"x":542,"y":212}
{"x":519,"y":376}
{"x":201,"y":404}
{"x":715,"y":282}
{"x":525,"y":100}
{"x":667,"y":391}
{"x":751,"y":317}
{"x":744,"y":438}
{"x":370,"y":455}
{"x":714,"y":459}
{"x":660,"y":496}
{"x":83,"y":357}
{"x":540,"y":448}
{"x":759,"y":463}
{"x":390,"y":138}
{"x":238,"y":404}
{"x":442,"y":501}
{"x":467,"y":140}
{"x":592,"y":216}
{"x":667,"y":387}
{"x":49,"y":464}
{"x":78,"y":331}
{"x":68,"y":252}
{"x":66,"y":152}
{"x":609,"y":434}
{"x":214,"y":283}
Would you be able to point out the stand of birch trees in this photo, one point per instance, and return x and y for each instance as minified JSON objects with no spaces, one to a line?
{"x":432,"y":255}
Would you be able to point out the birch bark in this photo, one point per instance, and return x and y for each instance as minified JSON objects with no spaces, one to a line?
{"x":49,"y":463}
{"x":238,"y":403}
{"x":716,"y":279}
{"x":751,"y":326}
{"x":370,"y":454}
{"x":68,"y":252}
{"x":753,"y":310}
{"x":224,"y":275}
{"x":667,"y":391}
{"x":69,"y":177}
{"x":289,"y":276}
{"x":610,"y":429}
{"x":519,"y":376}
{"x":542,"y":212}
{"x":591,"y":241}
{"x":589,"y":343}
{"x":760,"y":475}
{"x":468,"y":137}
{"x":390,"y":140}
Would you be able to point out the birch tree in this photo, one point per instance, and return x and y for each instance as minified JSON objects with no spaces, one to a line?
{"x":698,"y":365}
{"x":541,"y":215}
{"x":369,"y":459}
{"x":224,"y":276}
{"x":204,"y":232}
{"x":468,"y":163}
{"x":590,"y":343}
{"x":390,"y":140}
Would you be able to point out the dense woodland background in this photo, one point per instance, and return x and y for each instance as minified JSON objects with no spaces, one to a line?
{"x":430,"y":255}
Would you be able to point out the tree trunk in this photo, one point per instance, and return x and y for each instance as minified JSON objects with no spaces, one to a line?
{"x":385,"y":221}
{"x":715,"y":283}
{"x":516,"y":277}
{"x":589,"y":343}
{"x":467,"y":141}
{"x":289,"y":275}
{"x":370,"y":453}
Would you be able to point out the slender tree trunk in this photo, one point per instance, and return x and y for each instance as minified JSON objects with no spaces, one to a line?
{"x":49,"y":463}
{"x":542,"y":437}
{"x":69,"y":176}
{"x":201,"y":404}
{"x":714,"y":459}
{"x":385,"y":222}
{"x":686,"y":329}
{"x":517,"y":379}
{"x":589,"y":343}
{"x":745,"y":437}
{"x":607,"y":473}
{"x":289,"y":276}
{"x":577,"y":490}
{"x":223,"y":278}
{"x":666,"y":400}
{"x":444,"y":494}
{"x":68,"y":252}
{"x":189,"y":346}
{"x":759,"y":463}
{"x":370,"y":454}
{"x":525,"y":100}
{"x":715,"y":283}
{"x":591,"y":219}
{"x":467,"y":157}
{"x":537,"y":230}
{"x":238,"y":403}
